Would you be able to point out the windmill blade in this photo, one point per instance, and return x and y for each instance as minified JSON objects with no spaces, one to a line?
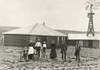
{"x":88,"y":2}
{"x":95,"y":8}
{"x":95,"y":1}
{"x":87,"y":7}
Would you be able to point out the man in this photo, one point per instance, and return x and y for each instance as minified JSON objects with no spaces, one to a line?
{"x":38,"y":46}
{"x":77,"y":51}
{"x":63,"y":50}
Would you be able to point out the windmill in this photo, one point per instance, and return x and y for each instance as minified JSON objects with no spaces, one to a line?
{"x":91,"y":6}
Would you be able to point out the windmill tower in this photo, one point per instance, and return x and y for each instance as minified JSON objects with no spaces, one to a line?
{"x":91,"y":5}
{"x":90,"y":25}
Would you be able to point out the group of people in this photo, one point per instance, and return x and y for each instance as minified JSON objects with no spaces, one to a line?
{"x":34,"y":48}
{"x":63,"y":47}
{"x":40,"y":49}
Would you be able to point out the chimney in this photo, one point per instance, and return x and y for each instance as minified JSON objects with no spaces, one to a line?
{"x":43,"y":23}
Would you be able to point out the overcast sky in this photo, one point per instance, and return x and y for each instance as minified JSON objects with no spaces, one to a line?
{"x":57,"y":14}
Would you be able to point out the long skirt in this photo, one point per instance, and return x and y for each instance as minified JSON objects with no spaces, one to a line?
{"x":53,"y":54}
{"x":30,"y":56}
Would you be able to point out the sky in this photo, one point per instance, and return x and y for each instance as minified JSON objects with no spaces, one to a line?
{"x":57,"y":14}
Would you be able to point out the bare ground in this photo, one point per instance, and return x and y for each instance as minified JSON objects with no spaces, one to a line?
{"x":89,"y":57}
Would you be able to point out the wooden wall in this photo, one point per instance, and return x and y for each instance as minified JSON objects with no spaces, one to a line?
{"x":85,"y":43}
{"x":23,"y":40}
{"x":16,"y":40}
{"x":95,"y":44}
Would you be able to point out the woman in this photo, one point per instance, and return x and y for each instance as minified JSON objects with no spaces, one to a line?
{"x":53,"y":53}
{"x":30,"y":51}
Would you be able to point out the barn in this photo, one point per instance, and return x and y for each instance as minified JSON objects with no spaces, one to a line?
{"x":86,"y":41}
{"x":22,"y":36}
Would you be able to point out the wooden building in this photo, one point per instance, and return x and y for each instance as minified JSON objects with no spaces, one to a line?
{"x":86,"y":41}
{"x":22,"y":36}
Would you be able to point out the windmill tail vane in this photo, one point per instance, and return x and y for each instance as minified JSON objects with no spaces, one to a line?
{"x":97,"y":4}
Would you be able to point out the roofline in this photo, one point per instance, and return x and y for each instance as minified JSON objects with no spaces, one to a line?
{"x":36,"y":35}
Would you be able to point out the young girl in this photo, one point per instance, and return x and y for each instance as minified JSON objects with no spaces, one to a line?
{"x":44,"y":49}
{"x":25,"y":53}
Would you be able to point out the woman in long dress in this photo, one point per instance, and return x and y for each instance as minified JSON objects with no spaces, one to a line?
{"x":53,"y":53}
{"x":30,"y":51}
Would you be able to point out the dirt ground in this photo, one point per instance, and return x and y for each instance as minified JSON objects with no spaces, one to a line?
{"x":89,"y":58}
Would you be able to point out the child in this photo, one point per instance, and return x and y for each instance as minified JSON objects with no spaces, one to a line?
{"x":44,"y":49}
{"x":25,"y":53}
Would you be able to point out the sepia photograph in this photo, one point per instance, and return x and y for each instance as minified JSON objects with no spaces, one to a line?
{"x":49,"y":34}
